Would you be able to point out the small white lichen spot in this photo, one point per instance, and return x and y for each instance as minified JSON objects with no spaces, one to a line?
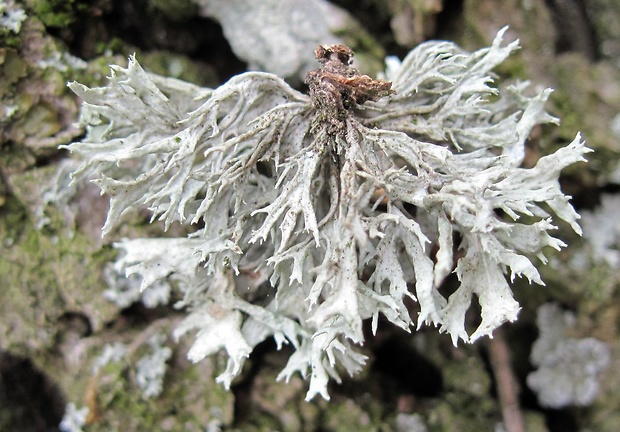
{"x":151,"y":368}
{"x":11,"y":16}
{"x":567,"y":368}
{"x":74,"y":419}
{"x":318,"y":212}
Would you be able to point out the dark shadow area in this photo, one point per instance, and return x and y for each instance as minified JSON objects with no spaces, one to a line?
{"x":372,"y":18}
{"x":29,"y":400}
{"x":242,"y":387}
{"x":137,"y":315}
{"x":575,"y":33}
{"x":560,"y":421}
{"x":109,"y":25}
{"x":450,"y":20}
{"x":405,"y":369}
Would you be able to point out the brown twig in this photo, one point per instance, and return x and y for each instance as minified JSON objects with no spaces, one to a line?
{"x":507,"y":387}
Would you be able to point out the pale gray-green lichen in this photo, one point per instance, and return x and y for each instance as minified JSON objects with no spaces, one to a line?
{"x":567,"y":368}
{"x":345,"y":212}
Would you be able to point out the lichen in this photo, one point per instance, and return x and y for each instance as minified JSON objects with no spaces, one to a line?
{"x":567,"y":367}
{"x":346,"y":203}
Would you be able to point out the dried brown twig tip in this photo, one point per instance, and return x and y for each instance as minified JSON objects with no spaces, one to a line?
{"x":337,"y":87}
{"x":341,"y":53}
